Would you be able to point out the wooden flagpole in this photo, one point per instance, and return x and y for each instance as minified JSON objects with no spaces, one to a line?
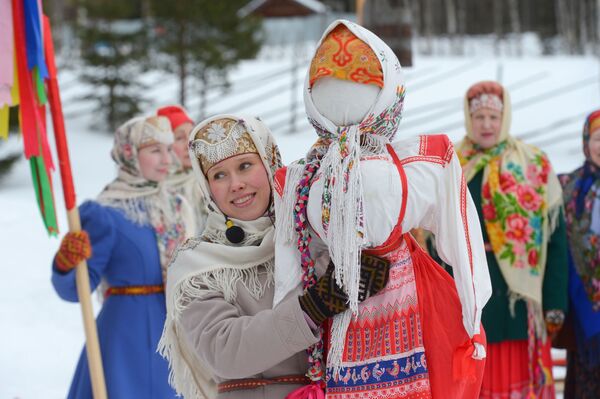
{"x":81,"y":272}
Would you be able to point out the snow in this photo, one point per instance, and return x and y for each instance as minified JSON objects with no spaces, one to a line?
{"x":41,"y":336}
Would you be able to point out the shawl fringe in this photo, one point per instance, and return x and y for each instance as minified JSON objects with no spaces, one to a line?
{"x":284,"y":205}
{"x":224,"y":280}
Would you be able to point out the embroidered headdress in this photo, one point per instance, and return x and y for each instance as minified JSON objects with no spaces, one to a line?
{"x":486,"y":94}
{"x":219,"y":140}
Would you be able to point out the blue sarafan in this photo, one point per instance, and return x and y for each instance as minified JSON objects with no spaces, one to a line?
{"x":124,"y":254}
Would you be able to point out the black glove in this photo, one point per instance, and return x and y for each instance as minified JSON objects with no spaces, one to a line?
{"x":326,"y":299}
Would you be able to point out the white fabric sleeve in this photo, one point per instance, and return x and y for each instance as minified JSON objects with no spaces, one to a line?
{"x":460,"y":244}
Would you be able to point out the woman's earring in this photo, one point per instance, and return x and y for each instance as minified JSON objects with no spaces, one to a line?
{"x":234,"y":234}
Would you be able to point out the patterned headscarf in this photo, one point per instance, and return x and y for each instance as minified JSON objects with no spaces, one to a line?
{"x":336,"y":155}
{"x":580,"y":191}
{"x":344,"y":56}
{"x":521,"y":201}
{"x":144,"y":201}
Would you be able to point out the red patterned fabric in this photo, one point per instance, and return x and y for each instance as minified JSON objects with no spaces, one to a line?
{"x":506,"y":375}
{"x":409,"y":341}
{"x":344,"y":56}
{"x":279,"y":180}
{"x":437,"y":145}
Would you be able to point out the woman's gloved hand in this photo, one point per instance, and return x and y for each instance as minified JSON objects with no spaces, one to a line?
{"x":326,"y":299}
{"x":74,"y":248}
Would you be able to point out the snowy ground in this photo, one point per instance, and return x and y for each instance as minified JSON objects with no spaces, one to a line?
{"x":41,"y":336}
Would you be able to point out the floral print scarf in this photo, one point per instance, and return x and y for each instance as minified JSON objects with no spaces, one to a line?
{"x":521,"y":201}
{"x":142,"y":201}
{"x":580,"y":195}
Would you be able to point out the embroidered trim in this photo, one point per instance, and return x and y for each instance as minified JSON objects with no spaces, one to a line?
{"x":417,"y":158}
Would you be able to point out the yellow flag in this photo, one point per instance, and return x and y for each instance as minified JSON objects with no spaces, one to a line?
{"x":14,"y":90}
{"x":4,"y":122}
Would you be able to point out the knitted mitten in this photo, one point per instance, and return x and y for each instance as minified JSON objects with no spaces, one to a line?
{"x":74,"y":248}
{"x":374,"y":273}
{"x":326,"y":299}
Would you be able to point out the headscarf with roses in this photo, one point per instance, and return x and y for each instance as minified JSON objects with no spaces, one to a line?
{"x":143,"y":201}
{"x":521,"y":201}
{"x":581,"y":191}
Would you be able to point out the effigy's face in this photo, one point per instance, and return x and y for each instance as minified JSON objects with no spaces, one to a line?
{"x":486,"y":124}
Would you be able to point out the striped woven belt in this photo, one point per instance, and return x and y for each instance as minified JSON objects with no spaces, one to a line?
{"x":135,"y":290}
{"x":251,"y":383}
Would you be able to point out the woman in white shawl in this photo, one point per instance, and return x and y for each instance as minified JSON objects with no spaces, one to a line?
{"x":222,"y":336}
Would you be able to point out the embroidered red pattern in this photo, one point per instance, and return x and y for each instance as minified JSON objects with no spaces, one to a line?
{"x":279,"y":180}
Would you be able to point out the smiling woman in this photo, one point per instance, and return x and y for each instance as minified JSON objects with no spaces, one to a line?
{"x":222,"y":337}
{"x":240,"y":186}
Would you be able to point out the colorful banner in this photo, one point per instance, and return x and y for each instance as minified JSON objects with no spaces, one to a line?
{"x":23,"y":71}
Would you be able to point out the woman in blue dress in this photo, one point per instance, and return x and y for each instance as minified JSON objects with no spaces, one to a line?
{"x":128,"y":235}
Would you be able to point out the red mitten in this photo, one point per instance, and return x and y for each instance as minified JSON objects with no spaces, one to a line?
{"x":74,"y":248}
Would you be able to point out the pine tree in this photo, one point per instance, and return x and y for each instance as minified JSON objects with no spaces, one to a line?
{"x":203,"y":39}
{"x":114,"y":49}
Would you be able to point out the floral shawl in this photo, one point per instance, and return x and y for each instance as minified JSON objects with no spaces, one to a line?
{"x":521,"y":201}
{"x":143,"y":201}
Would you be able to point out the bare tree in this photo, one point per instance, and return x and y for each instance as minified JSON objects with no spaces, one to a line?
{"x":452,"y":25}
{"x":427,"y":32}
{"x":498,"y":20}
{"x":391,"y":20}
{"x":415,"y":9}
{"x":461,"y":17}
{"x":515,"y":23}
